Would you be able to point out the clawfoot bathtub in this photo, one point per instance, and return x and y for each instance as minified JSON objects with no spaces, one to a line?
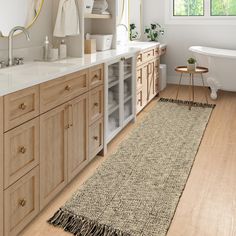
{"x":221,"y":64}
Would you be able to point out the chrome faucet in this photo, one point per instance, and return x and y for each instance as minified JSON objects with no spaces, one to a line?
{"x":10,"y":42}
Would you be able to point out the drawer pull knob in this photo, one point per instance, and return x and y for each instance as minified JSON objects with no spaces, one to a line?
{"x":96,"y":104}
{"x":22,"y":106}
{"x":95,"y":76}
{"x":22,"y":202}
{"x":95,"y":138}
{"x":22,"y":150}
{"x":68,"y":88}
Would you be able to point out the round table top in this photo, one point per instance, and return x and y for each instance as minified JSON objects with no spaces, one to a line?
{"x":184,"y":69}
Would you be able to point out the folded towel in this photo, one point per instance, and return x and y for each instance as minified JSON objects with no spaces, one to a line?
{"x":67,"y":22}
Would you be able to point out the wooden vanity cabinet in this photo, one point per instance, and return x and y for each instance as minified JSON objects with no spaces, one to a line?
{"x":64,"y":141}
{"x":48,"y":134}
{"x":147,"y":81}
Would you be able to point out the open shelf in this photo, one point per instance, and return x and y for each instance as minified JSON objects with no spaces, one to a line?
{"x":96,"y":16}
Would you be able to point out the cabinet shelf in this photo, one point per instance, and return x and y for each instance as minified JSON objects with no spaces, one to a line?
{"x":97,"y":16}
{"x":113,"y":109}
{"x":127,"y":76}
{"x":113,"y":83}
{"x":127,"y":99}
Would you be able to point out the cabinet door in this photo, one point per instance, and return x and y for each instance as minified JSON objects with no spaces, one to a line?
{"x":145,"y":86}
{"x":151,"y":91}
{"x":78,"y":135}
{"x":157,"y":75}
{"x":53,"y":153}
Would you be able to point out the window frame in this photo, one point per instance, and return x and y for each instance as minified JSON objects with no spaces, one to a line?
{"x":207,"y":18}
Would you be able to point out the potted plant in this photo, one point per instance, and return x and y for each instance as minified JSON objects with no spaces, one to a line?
{"x":191,"y":64}
{"x":154,"y":31}
{"x":133,"y":33}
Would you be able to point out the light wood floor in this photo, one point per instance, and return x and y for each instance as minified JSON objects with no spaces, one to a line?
{"x":208,"y":204}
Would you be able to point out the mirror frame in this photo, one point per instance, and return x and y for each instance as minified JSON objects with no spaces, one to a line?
{"x":141,"y":18}
{"x":31,"y":24}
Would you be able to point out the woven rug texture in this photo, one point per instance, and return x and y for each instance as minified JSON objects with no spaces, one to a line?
{"x":137,"y":189}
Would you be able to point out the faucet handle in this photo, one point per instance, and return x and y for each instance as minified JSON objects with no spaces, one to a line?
{"x":18,"y":61}
{"x":2,"y":64}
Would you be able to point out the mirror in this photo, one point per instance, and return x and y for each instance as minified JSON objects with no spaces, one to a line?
{"x":18,"y":13}
{"x":135,"y":19}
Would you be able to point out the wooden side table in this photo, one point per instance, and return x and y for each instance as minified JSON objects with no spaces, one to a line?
{"x":198,"y":71}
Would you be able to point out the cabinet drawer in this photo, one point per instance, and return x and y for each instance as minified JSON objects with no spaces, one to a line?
{"x":21,"y":151}
{"x":96,"y":76}
{"x":148,"y":55}
{"x":157,"y":51}
{"x":95,"y":138}
{"x":20,"y":107}
{"x":21,"y":203}
{"x":54,"y":93}
{"x":95,"y":104}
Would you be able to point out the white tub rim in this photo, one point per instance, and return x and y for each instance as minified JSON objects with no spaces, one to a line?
{"x":214,"y":52}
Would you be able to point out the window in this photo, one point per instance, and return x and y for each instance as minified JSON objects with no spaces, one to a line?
{"x":188,"y":7}
{"x":223,"y":7}
{"x":204,"y":7}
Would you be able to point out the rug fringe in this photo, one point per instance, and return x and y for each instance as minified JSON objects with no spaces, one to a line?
{"x":82,"y":226}
{"x":185,"y":102}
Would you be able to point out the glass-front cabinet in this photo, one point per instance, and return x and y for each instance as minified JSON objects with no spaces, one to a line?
{"x":119,"y":95}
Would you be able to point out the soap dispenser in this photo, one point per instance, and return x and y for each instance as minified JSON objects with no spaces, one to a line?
{"x":46,"y":49}
{"x":63,"y":50}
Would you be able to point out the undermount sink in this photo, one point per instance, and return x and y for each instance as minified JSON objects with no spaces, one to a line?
{"x":36,"y":68}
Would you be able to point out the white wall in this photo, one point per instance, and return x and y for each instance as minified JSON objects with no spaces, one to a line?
{"x":42,"y":27}
{"x":180,"y":37}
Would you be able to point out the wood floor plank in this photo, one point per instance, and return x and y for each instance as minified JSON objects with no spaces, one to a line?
{"x":208,"y":204}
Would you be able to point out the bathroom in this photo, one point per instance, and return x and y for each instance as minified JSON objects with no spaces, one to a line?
{"x":117,"y":138}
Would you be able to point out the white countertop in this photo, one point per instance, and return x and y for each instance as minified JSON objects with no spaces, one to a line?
{"x":16,"y":78}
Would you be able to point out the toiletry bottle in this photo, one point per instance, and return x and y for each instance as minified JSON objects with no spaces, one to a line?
{"x":46,"y":49}
{"x":63,"y":50}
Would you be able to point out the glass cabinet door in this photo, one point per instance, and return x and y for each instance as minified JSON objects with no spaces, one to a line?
{"x":113,"y":122}
{"x":128,"y":89}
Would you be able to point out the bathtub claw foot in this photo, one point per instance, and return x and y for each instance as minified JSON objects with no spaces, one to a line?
{"x":214,"y":85}
{"x":213,"y":94}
